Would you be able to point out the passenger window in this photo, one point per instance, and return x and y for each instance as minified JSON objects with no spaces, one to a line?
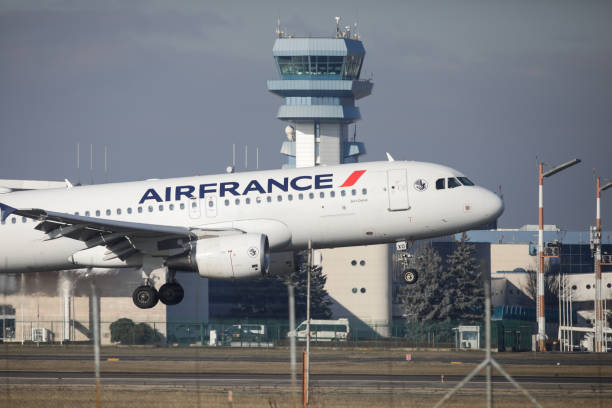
{"x":237,"y":201}
{"x":311,"y":195}
{"x":194,"y":204}
{"x":353,"y":192}
{"x":150,"y":208}
{"x":226,"y":203}
{"x":118,"y":211}
{"x":76,"y":213}
{"x":258,"y":200}
{"x":97,"y":213}
{"x":24,"y":219}
{"x":452,"y":182}
{"x":322,"y":194}
{"x":343,"y":193}
{"x":182,"y":206}
{"x":269,"y":199}
{"x":129,"y":210}
{"x":364,"y":191}
{"x":87,"y":213}
{"x":108,"y":212}
{"x":465,"y":181}
{"x":161,"y":207}
{"x":290,"y":197}
{"x":300,"y":196}
{"x":170,"y":207}
{"x":139,"y":210}
{"x":440,"y":184}
{"x":14,"y":220}
{"x":279,"y":198}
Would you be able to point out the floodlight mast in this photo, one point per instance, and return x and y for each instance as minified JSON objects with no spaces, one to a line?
{"x":596,"y":245}
{"x":540,"y":282}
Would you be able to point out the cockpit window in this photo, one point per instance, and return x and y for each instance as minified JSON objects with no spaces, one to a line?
{"x":452,"y":182}
{"x":465,"y":181}
{"x":440,"y":184}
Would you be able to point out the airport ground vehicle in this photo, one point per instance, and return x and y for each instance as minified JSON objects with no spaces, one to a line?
{"x":323,"y":330}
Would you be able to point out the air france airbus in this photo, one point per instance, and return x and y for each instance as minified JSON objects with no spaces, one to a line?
{"x":227,"y":225}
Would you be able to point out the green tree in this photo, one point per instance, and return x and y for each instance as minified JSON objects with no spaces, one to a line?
{"x":427,"y":299}
{"x":465,"y":283}
{"x":125,"y":331}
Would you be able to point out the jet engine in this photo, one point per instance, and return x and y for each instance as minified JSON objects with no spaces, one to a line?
{"x":226,"y":257}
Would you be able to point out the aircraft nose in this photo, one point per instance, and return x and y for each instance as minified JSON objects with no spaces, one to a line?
{"x":494,"y":205}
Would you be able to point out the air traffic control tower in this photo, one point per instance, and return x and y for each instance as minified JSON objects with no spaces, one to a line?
{"x":319,"y":83}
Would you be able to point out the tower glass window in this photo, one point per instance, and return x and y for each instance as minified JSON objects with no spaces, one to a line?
{"x":319,"y":66}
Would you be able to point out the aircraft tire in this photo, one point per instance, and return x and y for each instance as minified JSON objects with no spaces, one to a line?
{"x":145,"y":297}
{"x":411,"y":276}
{"x":171,"y":293}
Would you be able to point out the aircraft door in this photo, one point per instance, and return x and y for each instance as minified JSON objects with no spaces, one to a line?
{"x":211,"y":206}
{"x":397,"y":187}
{"x":194,"y":208}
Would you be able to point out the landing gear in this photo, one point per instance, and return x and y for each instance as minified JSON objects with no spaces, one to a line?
{"x":411,"y":276}
{"x":145,"y":297}
{"x":171,"y":293}
{"x":406,"y":262}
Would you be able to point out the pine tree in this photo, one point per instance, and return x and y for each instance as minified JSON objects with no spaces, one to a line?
{"x":319,"y":298}
{"x":466,"y":289}
{"x":426,"y":299}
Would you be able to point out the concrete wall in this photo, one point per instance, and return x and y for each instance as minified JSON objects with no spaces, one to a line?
{"x":359,"y":284}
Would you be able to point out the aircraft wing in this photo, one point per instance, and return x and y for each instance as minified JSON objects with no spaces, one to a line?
{"x":123,"y":238}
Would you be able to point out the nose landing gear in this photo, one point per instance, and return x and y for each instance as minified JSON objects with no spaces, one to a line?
{"x":406,"y":260}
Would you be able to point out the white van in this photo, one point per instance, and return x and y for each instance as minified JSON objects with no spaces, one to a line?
{"x":323,"y":330}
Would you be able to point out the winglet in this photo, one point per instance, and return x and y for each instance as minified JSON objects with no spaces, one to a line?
{"x":5,"y":211}
{"x":389,"y":157}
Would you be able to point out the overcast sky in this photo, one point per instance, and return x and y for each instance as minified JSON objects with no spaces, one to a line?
{"x":481,"y":86}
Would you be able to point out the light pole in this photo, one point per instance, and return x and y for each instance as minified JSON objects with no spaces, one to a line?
{"x":596,"y":240}
{"x":540,"y":299}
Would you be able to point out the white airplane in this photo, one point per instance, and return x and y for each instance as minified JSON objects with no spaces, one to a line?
{"x":226,"y":225}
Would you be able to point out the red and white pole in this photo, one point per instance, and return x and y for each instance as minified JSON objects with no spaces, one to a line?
{"x":599,"y":319}
{"x":540,"y":299}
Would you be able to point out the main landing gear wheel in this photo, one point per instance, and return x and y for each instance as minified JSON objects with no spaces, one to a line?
{"x":145,"y":297}
{"x":411,"y":276}
{"x":171,"y":293}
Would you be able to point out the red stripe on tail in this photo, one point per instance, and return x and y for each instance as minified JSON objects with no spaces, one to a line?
{"x":352,"y":179}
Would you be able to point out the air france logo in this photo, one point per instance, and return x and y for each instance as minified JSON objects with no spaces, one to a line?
{"x":420,"y":185}
{"x":252,"y":251}
{"x":233,"y":188}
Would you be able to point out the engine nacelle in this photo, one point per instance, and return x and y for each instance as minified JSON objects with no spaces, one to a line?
{"x":226,"y":257}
